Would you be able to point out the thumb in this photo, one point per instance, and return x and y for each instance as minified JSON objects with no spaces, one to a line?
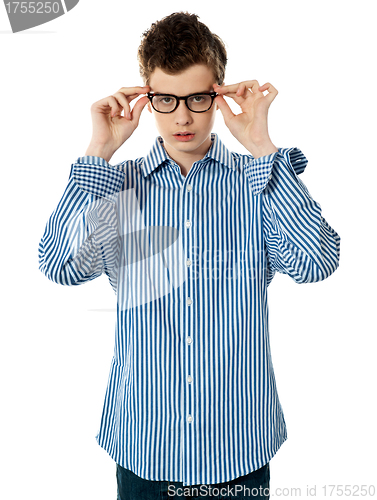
{"x":224,"y":108}
{"x":138,"y":108}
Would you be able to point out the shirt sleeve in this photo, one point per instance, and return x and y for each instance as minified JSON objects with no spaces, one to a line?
{"x":298,"y":240}
{"x":81,"y":238}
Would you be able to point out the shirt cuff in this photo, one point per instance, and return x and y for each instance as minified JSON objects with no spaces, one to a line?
{"x":259,"y":170}
{"x":96,"y":176}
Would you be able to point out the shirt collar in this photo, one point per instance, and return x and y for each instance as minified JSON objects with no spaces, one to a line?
{"x":158,"y":155}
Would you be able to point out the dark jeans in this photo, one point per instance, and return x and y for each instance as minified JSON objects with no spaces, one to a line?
{"x":133,"y":487}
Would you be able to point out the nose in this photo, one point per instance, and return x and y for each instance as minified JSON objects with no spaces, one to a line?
{"x":182,"y":114}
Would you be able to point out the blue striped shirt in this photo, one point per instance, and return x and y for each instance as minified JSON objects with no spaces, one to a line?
{"x":191,"y":394}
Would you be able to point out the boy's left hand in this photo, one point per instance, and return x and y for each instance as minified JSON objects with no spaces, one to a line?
{"x":249,"y":127}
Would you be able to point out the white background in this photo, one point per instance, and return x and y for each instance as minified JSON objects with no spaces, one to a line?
{"x":57,"y":344}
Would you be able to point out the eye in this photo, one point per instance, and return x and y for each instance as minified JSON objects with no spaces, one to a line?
{"x":165,"y":100}
{"x":198,"y":98}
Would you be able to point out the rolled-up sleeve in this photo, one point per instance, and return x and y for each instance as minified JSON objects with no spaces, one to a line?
{"x":298,"y":240}
{"x":81,"y":238}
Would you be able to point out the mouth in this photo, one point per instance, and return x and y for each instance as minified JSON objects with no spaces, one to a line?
{"x":184,"y":136}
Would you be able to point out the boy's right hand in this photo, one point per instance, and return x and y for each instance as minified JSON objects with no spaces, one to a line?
{"x":110,"y":128}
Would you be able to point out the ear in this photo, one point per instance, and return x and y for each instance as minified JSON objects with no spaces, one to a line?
{"x":149,"y":107}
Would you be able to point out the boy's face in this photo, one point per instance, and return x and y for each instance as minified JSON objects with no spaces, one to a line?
{"x":197,"y":78}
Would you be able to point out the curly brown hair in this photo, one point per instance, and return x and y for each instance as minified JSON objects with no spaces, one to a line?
{"x":177,"y":42}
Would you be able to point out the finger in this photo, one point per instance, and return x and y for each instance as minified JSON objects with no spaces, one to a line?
{"x":130,"y":94}
{"x":129,"y":97}
{"x":241,"y":90}
{"x":134,"y":90}
{"x":232,"y":89}
{"x":113,"y":103}
{"x":138,"y":108}
{"x":272,"y":91}
{"x":254,"y":86}
{"x":125,"y":98}
{"x":224,"y":108}
{"x":238,"y":99}
{"x":269,"y":87}
{"x":122,"y":100}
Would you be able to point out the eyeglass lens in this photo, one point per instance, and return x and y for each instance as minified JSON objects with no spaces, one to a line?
{"x":196,"y":103}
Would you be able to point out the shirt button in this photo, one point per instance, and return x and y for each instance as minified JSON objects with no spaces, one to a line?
{"x":189,"y":187}
{"x":189,"y":340}
{"x":188,"y":223}
{"x":189,"y":301}
{"x":188,"y":262}
{"x":190,"y":419}
{"x":189,"y":379}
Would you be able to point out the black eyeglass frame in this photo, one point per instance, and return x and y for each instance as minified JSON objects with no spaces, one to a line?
{"x":182,"y":98}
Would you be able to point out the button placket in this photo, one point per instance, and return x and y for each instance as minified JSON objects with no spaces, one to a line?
{"x":189,"y":302}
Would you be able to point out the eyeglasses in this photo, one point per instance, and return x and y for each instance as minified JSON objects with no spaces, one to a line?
{"x":167,"y":103}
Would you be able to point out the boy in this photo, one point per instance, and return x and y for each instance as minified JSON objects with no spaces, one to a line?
{"x":190,"y":236}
